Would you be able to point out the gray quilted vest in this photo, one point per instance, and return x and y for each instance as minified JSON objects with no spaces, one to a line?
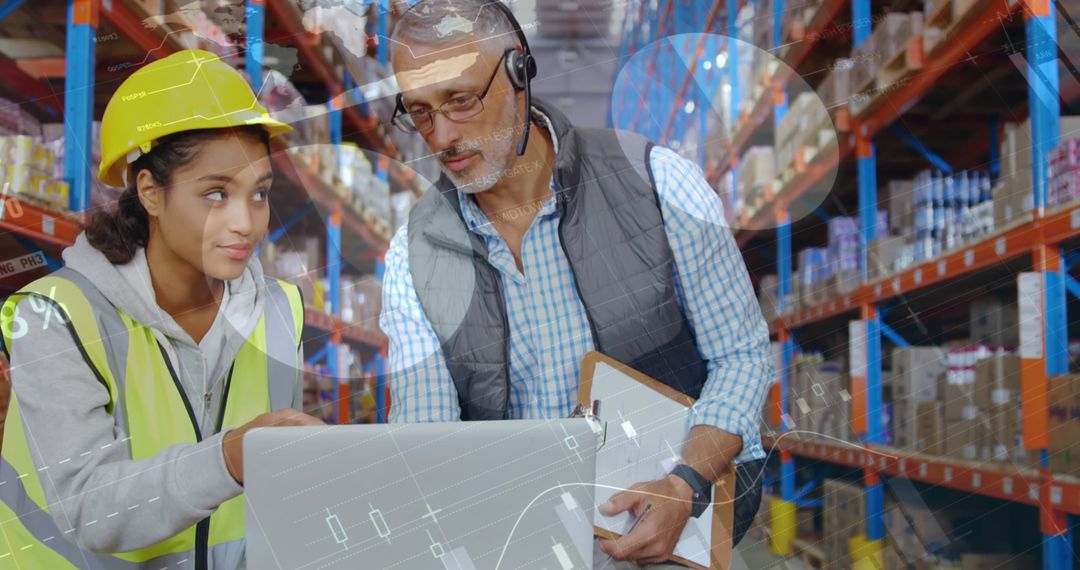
{"x":612,"y":232}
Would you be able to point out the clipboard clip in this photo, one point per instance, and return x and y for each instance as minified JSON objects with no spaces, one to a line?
{"x":592,"y":415}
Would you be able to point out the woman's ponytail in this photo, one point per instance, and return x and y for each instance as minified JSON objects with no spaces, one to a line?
{"x":119,"y":234}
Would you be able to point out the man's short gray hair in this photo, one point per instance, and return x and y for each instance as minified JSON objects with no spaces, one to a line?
{"x":440,"y":23}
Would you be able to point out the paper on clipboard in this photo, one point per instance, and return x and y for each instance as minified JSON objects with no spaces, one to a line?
{"x":647,"y":426}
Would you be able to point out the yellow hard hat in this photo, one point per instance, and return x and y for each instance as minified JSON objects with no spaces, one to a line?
{"x":188,"y":90}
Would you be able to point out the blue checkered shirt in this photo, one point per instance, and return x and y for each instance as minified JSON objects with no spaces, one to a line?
{"x":549,"y":329}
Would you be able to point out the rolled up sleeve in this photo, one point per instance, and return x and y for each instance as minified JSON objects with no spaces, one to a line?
{"x":714,"y":290}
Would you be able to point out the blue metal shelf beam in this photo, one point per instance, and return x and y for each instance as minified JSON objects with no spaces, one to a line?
{"x":8,"y":7}
{"x":256,"y":24}
{"x":79,"y":100}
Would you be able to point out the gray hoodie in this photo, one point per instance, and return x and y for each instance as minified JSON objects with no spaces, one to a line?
{"x":115,"y":504}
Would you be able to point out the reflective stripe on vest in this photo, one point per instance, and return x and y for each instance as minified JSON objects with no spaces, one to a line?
{"x":154,"y":415}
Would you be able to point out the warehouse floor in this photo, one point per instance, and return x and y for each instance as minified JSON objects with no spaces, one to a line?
{"x":753,"y":554}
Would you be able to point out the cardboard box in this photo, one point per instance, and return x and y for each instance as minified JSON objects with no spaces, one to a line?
{"x":963,"y":438}
{"x":881,"y":253}
{"x":904,"y":435}
{"x":1063,"y":430}
{"x":958,"y":401}
{"x":1002,"y":434}
{"x":846,"y":282}
{"x":994,"y":321}
{"x":900,"y":196}
{"x":756,"y":169}
{"x":997,"y":381}
{"x":835,"y":89}
{"x":930,"y":428}
{"x":916,"y":371}
{"x":1016,"y":146}
{"x":815,"y":406}
{"x":892,"y":33}
{"x":843,"y":515}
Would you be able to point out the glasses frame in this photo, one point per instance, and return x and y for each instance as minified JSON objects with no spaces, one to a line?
{"x":398,"y":121}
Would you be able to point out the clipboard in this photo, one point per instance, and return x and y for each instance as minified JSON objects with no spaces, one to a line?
{"x":720,"y":554}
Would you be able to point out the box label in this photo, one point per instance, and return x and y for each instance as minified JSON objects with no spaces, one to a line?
{"x":857,"y":336}
{"x":1030,"y":305}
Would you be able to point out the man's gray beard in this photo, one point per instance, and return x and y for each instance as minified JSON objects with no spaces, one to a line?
{"x":482,"y":181}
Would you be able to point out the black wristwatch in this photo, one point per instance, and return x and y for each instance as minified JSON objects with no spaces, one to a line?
{"x":702,"y":487}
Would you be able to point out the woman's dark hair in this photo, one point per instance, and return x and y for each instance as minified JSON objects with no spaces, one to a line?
{"x":118,"y":234}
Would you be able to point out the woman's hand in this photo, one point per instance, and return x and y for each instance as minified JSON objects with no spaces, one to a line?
{"x":232,"y":445}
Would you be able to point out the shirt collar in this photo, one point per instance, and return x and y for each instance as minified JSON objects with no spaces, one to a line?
{"x":475,"y":217}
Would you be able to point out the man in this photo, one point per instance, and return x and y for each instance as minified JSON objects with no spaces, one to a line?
{"x":518,"y":263}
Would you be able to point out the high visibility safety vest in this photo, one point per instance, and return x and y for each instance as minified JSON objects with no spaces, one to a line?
{"x":149,"y":404}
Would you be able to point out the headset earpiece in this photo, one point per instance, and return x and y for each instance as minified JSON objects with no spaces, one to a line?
{"x":518,"y":64}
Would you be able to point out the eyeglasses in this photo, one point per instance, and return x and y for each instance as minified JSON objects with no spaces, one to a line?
{"x":458,"y":109}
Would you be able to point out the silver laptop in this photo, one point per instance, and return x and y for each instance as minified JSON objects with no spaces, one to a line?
{"x":501,"y":495}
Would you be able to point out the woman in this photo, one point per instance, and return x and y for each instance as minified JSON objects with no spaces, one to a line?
{"x":137,"y":368}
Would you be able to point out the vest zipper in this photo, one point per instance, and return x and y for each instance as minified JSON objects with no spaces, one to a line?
{"x":224,"y":399}
{"x":202,"y":529}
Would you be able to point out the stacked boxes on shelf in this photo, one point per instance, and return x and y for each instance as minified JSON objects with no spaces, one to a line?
{"x":757,"y":168}
{"x":795,"y":20}
{"x":814,"y":270}
{"x":310,"y":138}
{"x":844,"y":254}
{"x":915,"y":373}
{"x":802,"y":133}
{"x":994,"y":320}
{"x":997,"y":395}
{"x":29,"y":171}
{"x":931,"y":215}
{"x":835,"y":93}
{"x":816,"y":407}
{"x":844,"y":516}
{"x":1063,"y":431}
{"x":1064,"y":185}
{"x":763,"y":64}
{"x":1013,"y":196}
{"x":824,"y":273}
{"x":344,"y":168}
{"x":769,"y":296}
{"x":319,"y":390}
{"x":883,"y":57}
{"x":361,"y":300}
{"x":963,"y":424}
{"x":939,"y":16}
{"x":297,"y":263}
{"x":366,"y":192}
{"x":950,"y":210}
{"x":31,"y":157}
{"x":884,"y":251}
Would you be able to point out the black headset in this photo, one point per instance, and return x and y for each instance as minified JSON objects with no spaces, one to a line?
{"x":520,"y":67}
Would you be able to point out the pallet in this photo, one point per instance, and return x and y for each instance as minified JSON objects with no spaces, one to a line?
{"x":902,"y":63}
{"x":940,"y":24}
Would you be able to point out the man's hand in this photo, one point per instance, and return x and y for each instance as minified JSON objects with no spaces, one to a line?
{"x":654,"y":538}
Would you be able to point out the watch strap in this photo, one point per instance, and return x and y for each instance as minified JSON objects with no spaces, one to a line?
{"x":701,"y":486}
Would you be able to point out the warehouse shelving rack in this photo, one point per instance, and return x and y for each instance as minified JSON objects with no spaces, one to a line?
{"x":1055,"y":497}
{"x":32,"y":225}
